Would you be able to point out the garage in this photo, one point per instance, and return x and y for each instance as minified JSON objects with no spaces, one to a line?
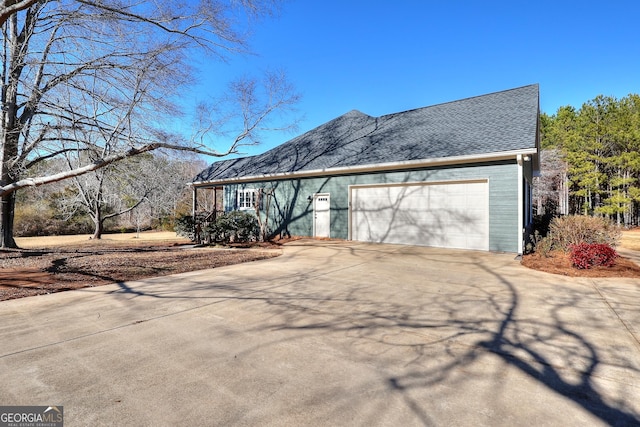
{"x":442,"y":214}
{"x":452,"y":175}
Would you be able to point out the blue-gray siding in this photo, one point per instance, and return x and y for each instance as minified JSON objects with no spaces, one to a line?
{"x":292,"y":206}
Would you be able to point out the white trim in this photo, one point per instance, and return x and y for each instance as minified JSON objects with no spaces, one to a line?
{"x":404,"y":184}
{"x":520,"y":227}
{"x":251,"y":193}
{"x":409,"y":164}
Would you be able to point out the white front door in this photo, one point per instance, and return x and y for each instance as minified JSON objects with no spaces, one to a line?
{"x":321,"y":215}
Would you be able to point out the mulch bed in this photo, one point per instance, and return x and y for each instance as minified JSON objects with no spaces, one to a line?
{"x":559,"y":263}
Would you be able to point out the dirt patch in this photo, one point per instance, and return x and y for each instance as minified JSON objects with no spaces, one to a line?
{"x":31,"y":272}
{"x":559,"y":263}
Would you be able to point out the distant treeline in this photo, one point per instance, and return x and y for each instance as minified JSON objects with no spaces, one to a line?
{"x":591,"y":160}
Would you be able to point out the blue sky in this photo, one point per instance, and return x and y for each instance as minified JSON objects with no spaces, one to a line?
{"x":386,"y":57}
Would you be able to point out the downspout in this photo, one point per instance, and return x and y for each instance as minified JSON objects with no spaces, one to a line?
{"x":520,"y":228}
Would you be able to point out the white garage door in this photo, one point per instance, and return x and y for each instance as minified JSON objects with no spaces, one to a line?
{"x":447,"y":215}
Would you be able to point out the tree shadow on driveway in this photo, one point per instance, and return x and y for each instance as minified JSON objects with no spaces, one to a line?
{"x":453,"y":320}
{"x":558,"y":336}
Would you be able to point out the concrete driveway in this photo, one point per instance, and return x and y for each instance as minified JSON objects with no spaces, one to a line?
{"x":333,"y":333}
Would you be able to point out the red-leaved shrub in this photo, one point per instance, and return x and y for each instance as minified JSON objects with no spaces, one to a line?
{"x":587,"y":255}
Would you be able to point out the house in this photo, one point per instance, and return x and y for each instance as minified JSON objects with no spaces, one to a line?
{"x":453,"y":175}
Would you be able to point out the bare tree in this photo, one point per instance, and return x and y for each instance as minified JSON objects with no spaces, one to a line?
{"x":149,"y":187}
{"x":112,"y":191}
{"x":170,"y":197}
{"x":96,"y":80}
{"x":551,"y":191}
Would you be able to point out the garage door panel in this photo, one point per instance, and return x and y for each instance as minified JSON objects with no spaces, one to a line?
{"x":451,"y":215}
{"x":474,"y":200}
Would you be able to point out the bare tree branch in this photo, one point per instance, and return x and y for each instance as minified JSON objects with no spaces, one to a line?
{"x":250,"y":104}
{"x":99,"y":80}
{"x":11,"y":7}
{"x":102,"y":162}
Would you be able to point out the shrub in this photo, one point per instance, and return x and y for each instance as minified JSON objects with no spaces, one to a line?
{"x":587,"y":255}
{"x":576,"y":229}
{"x":185,"y":227}
{"x":565,"y":232}
{"x":542,"y":245}
{"x":541,"y":223}
{"x":235,"y":226}
{"x":229,"y":227}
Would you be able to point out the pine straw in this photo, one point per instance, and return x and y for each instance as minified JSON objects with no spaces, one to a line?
{"x":559,"y":263}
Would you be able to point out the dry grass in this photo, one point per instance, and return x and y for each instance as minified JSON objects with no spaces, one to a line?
{"x":118,"y":239}
{"x":631,"y":239}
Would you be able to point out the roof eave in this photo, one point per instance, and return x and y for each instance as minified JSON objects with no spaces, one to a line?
{"x":379,"y":167}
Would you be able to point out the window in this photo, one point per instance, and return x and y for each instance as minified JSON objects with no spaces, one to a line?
{"x":246,"y":199}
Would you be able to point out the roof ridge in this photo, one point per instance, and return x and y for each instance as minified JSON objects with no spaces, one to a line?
{"x":455,"y":101}
{"x":354,"y":113}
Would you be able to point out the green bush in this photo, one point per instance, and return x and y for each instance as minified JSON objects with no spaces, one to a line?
{"x":229,"y":227}
{"x":568,"y":231}
{"x":184,"y":226}
{"x":234,"y":227}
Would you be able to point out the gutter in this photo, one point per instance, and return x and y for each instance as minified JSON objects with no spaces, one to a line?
{"x":377,"y":167}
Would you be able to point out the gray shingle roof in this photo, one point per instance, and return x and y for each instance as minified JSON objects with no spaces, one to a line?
{"x":497,"y":122}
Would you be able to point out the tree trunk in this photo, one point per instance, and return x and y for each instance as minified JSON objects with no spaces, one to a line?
{"x":97,"y":233}
{"x":97,"y":217}
{"x":9,"y":135}
{"x":6,"y":221}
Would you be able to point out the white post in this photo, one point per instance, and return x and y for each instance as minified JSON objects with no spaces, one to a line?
{"x":194,"y":201}
{"x":520,"y":161}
